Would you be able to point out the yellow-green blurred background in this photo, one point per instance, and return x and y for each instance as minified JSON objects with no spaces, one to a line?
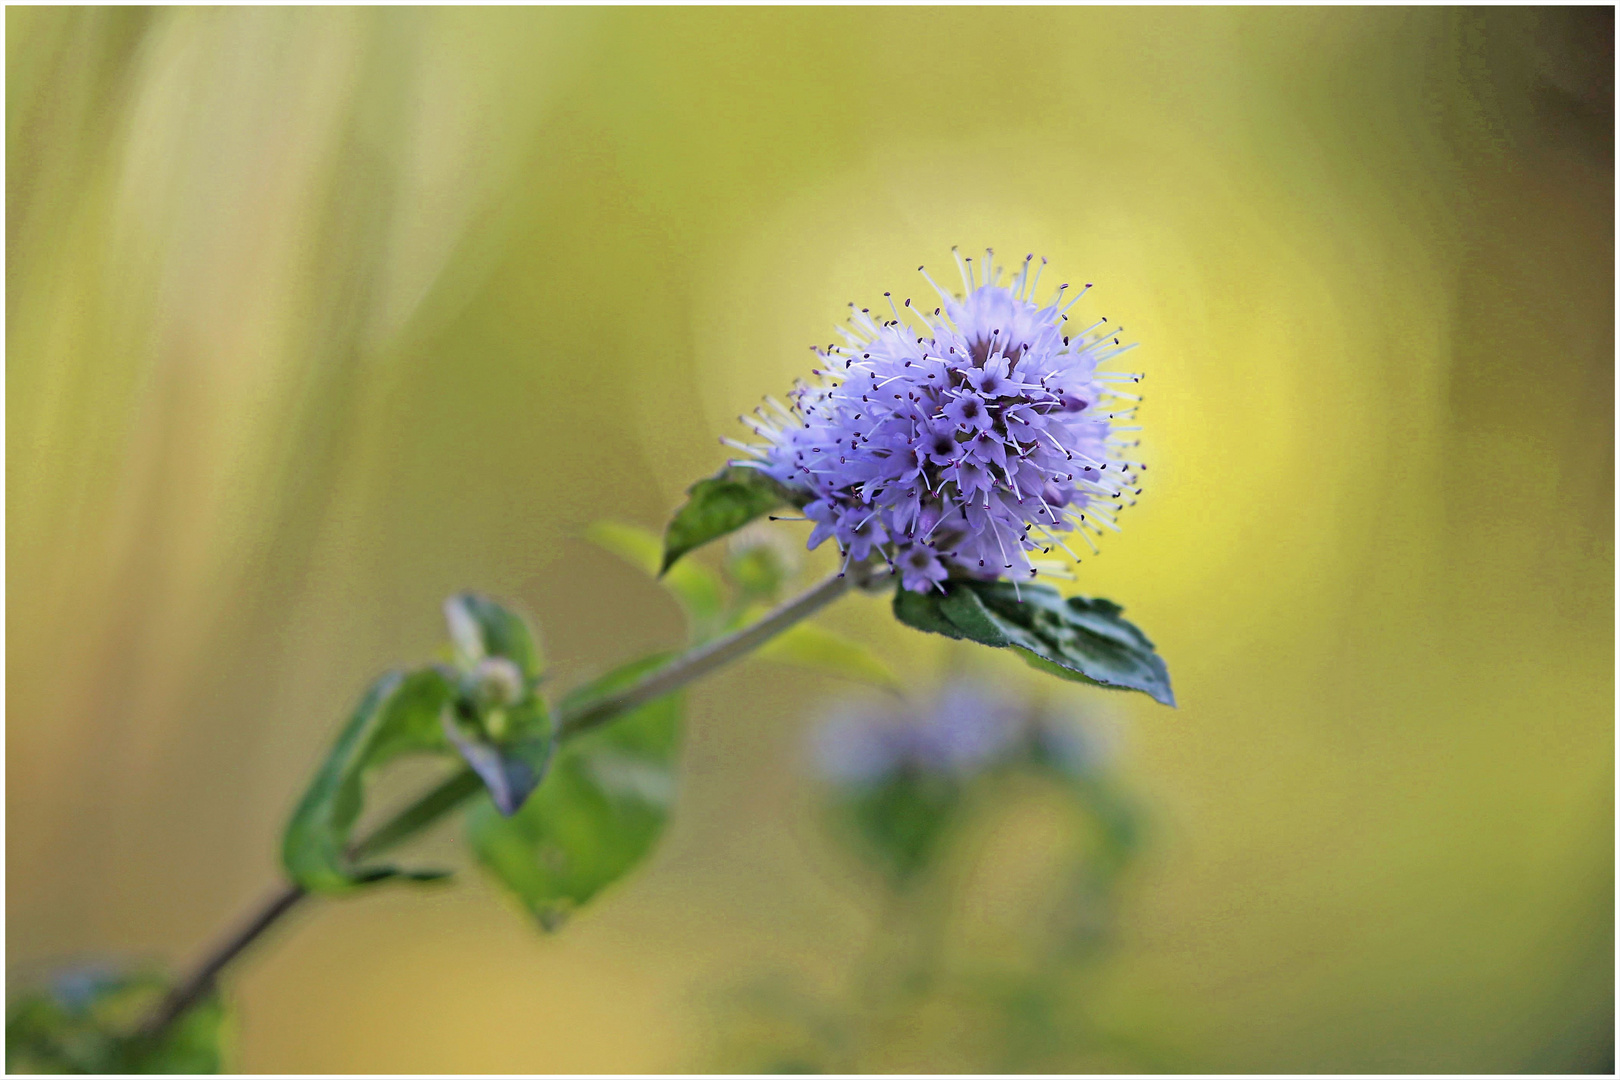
{"x":314,"y":316}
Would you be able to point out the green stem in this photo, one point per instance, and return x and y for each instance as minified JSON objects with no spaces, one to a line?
{"x":464,"y":783}
{"x":706,"y":658}
{"x":456,"y":789}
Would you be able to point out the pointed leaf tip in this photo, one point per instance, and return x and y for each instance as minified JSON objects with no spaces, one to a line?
{"x":719,"y":505}
{"x":1075,"y":638}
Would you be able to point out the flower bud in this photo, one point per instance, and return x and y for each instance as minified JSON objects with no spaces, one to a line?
{"x":495,"y":683}
{"x":760,"y":560}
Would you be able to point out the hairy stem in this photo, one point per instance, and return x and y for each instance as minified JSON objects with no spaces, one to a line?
{"x":463,"y":784}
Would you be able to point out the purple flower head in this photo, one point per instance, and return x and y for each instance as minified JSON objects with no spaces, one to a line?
{"x":964,"y":442}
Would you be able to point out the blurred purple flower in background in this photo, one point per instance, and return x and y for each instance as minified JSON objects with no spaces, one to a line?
{"x":965,"y":728}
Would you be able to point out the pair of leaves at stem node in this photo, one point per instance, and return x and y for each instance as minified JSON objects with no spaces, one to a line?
{"x":603,"y":803}
{"x":1074,"y":638}
{"x":484,"y":708}
{"x":498,"y":722}
{"x":603,"y":806}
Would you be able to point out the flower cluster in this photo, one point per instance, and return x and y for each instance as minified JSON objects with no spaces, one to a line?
{"x":961,"y":443}
{"x":965,"y":728}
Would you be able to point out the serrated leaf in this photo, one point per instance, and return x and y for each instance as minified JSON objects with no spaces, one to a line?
{"x":602,"y":807}
{"x":481,"y":628}
{"x":718,"y":505}
{"x":696,"y":588}
{"x":399,"y":714}
{"x":810,"y":646}
{"x":511,"y":764}
{"x":1075,"y":638}
{"x":88,"y":1023}
{"x":921,"y":610}
{"x":964,"y":610}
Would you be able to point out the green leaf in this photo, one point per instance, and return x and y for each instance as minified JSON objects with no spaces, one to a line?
{"x":903,"y":819}
{"x":508,"y":747}
{"x":1079,"y":639}
{"x":696,"y":588}
{"x":399,"y":714}
{"x":598,"y":814}
{"x":809,"y":646}
{"x":480,"y":628}
{"x":721,"y":504}
{"x":87,"y":1022}
{"x":921,"y":610}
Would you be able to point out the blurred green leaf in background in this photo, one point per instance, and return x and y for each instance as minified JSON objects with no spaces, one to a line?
{"x":983,"y":952}
{"x":84,"y":1024}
